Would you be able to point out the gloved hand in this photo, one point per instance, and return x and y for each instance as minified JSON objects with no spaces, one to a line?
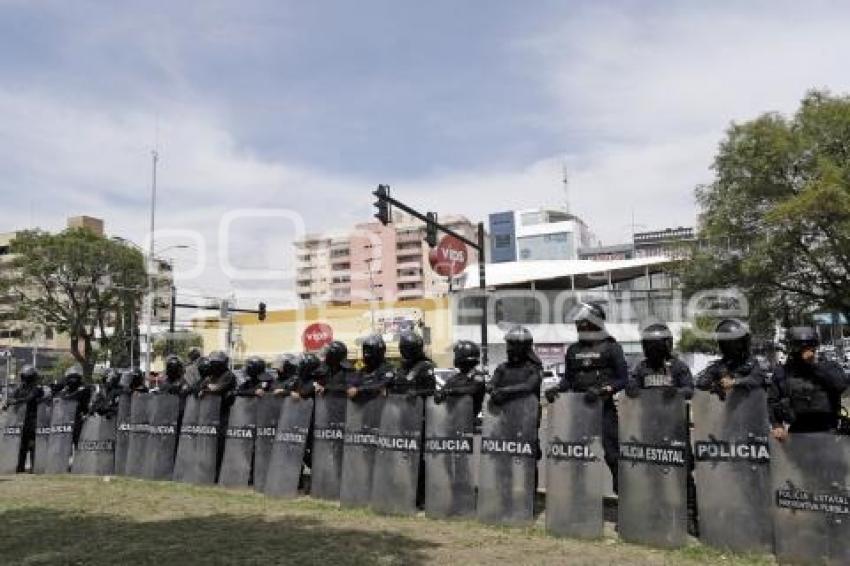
{"x":687,"y":393}
{"x":669,"y":393}
{"x":411,"y":394}
{"x":632,"y":389}
{"x":591,"y":395}
{"x":497,"y":397}
{"x":552,"y":394}
{"x":439,"y":396}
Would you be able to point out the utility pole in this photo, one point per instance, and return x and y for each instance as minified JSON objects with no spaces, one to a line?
{"x":151,"y":270}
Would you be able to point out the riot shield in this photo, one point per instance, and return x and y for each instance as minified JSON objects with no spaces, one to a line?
{"x":163,"y":412}
{"x":397,"y":456}
{"x":810,"y":476}
{"x":11,"y":436}
{"x":95,"y":453}
{"x":239,"y":443}
{"x":449,"y":463}
{"x":290,"y":441}
{"x":42,"y":436}
{"x":138,"y":434}
{"x":575,"y":468}
{"x":652,"y":506}
{"x":362,"y":419}
{"x":508,"y":461}
{"x":60,"y":445}
{"x":206,"y":438}
{"x":184,"y":461}
{"x":328,"y":446}
{"x":122,"y":434}
{"x":732,"y":458}
{"x":268,"y":414}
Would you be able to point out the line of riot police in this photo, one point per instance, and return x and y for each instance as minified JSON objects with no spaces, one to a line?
{"x":392,"y":439}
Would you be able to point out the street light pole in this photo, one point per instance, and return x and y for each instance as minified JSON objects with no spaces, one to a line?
{"x":151,"y":267}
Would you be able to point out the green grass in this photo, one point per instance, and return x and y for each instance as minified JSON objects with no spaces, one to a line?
{"x":73,"y":520}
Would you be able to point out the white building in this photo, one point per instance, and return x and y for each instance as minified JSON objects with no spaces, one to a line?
{"x":537,"y":234}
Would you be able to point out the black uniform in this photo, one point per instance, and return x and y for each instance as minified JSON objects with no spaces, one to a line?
{"x":807,"y":395}
{"x":674,"y":376}
{"x":590,"y":368}
{"x":470,"y":382}
{"x":27,"y":394}
{"x":371,"y":382}
{"x":745,"y":374}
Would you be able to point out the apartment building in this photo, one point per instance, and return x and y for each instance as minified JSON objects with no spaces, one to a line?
{"x":373,"y":262}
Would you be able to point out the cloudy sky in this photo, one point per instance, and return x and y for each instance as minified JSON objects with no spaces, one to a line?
{"x":281,"y":116}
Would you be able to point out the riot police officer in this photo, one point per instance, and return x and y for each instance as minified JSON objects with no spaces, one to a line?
{"x":661,"y":369}
{"x":255,"y":369}
{"x":336,"y":373}
{"x":76,"y":390}
{"x":376,"y":374}
{"x":220,"y":380}
{"x":105,"y":398}
{"x":174,"y":372}
{"x":135,"y":381}
{"x":415,"y":377}
{"x":306,"y":376}
{"x":192,"y":375}
{"x":596,"y":366}
{"x":469,"y":380}
{"x":805,"y":393}
{"x":27,"y":394}
{"x":286,"y":373}
{"x":521,"y":374}
{"x":736,"y":368}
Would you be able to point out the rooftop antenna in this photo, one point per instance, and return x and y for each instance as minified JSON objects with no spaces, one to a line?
{"x":565,"y":180}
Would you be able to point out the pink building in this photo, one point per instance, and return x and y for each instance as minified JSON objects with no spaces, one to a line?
{"x":373,"y":262}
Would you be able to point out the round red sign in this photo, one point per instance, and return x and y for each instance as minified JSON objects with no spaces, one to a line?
{"x":316,"y":336}
{"x":449,"y":258}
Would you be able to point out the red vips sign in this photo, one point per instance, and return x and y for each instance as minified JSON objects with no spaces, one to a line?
{"x":316,"y":336}
{"x":449,"y":258}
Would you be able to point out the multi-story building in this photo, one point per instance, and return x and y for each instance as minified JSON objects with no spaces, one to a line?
{"x":373,"y":262}
{"x":673,"y":243}
{"x":537,"y":234}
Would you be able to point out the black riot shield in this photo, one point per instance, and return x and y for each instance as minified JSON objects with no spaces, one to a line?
{"x":11,"y":435}
{"x":652,"y":506}
{"x":60,"y":445}
{"x":508,"y":461}
{"x":810,"y":476}
{"x":95,"y":453}
{"x":288,"y":448}
{"x":362,"y":419}
{"x":184,"y":461}
{"x":42,"y":436}
{"x":138,"y":434}
{"x":732,"y":472}
{"x":268,"y":414}
{"x":575,"y":468}
{"x":122,"y":434}
{"x":398,"y":453}
{"x":239,"y":443}
{"x":449,"y":463}
{"x":328,"y":446}
{"x":163,"y":412}
{"x":206,"y":437}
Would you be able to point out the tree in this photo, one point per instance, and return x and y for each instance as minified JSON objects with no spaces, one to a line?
{"x":178,"y":343}
{"x":78,"y":283}
{"x":698,"y":339}
{"x":775,"y":222}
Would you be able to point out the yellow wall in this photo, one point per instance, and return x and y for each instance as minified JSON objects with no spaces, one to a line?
{"x":281,"y":331}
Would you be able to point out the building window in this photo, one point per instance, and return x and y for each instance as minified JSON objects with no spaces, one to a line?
{"x":531,"y":218}
{"x":502,"y":241}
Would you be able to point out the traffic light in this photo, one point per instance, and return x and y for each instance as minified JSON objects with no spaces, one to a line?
{"x":431,"y":230}
{"x":261,"y":311}
{"x":382,"y":205}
